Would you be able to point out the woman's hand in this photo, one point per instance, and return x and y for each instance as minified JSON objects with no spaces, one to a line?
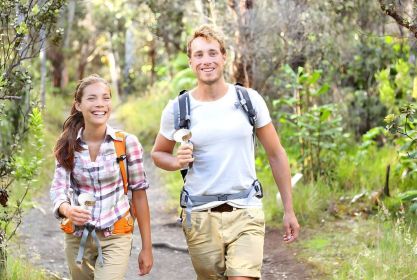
{"x":77,"y":215}
{"x":145,"y":261}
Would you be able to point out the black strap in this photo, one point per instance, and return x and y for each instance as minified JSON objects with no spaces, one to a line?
{"x":184,"y":119}
{"x":246,"y":103}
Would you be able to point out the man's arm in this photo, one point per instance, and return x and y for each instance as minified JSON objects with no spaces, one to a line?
{"x":278,"y":160}
{"x":162,"y":154}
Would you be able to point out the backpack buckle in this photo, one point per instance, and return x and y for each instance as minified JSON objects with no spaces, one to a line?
{"x":90,"y":227}
{"x":121,"y":158}
{"x":183,"y":198}
{"x":222,"y":197}
{"x":258,"y":188}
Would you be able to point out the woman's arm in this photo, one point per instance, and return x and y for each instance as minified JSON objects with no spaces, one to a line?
{"x":140,"y":202}
{"x":58,"y":192}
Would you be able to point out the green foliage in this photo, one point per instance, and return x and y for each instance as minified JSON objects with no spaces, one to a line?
{"x":18,"y":269}
{"x":26,"y":165}
{"x":363,"y":167}
{"x":404,"y":124}
{"x":409,"y":198}
{"x":25,"y":26}
{"x":378,"y":248}
{"x":395,"y":83}
{"x":316,"y":129}
{"x":367,"y":81}
{"x":370,"y":56}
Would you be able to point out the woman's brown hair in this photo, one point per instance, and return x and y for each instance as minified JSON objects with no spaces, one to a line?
{"x":67,"y":143}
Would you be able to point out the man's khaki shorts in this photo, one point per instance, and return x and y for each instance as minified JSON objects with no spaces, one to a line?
{"x":223,"y":244}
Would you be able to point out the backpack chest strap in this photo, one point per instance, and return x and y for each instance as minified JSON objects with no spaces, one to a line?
{"x":190,"y":201}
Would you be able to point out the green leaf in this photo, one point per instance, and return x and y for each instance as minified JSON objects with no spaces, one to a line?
{"x":408,"y":195}
{"x":35,"y":10}
{"x":389,"y":40}
{"x":323,"y":89}
{"x":22,"y":29}
{"x":325,"y":114}
{"x":314,"y":77}
{"x":413,"y":208}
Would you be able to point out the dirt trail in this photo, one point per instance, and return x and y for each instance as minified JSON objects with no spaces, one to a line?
{"x":45,"y":248}
{"x":41,"y":242}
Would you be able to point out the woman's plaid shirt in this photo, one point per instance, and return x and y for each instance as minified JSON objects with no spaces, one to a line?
{"x":101,"y":178}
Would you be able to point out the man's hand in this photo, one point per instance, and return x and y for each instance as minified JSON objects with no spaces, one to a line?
{"x":291,"y":227}
{"x":145,"y":261}
{"x":185,"y":155}
{"x":77,"y":215}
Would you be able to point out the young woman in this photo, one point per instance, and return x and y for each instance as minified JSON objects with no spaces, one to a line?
{"x":98,"y":237}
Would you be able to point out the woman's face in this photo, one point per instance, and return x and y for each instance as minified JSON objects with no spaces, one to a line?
{"x":95,"y":104}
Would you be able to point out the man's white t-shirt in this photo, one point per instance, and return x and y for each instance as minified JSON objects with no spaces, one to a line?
{"x":223,"y":152}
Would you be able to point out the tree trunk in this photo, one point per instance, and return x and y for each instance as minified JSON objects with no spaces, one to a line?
{"x":130,"y":44}
{"x":3,"y":260}
{"x":43,"y":69}
{"x":59,"y":74}
{"x":114,"y":73}
{"x":71,"y":13}
{"x":243,"y":63}
{"x":152,"y":56}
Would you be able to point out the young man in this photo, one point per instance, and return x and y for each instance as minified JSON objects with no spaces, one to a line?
{"x":225,"y":236}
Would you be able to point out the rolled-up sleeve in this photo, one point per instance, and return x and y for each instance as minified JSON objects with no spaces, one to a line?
{"x":134,"y":153}
{"x":59,"y":188}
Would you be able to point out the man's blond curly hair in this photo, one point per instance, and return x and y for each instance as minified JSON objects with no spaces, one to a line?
{"x":208,"y":32}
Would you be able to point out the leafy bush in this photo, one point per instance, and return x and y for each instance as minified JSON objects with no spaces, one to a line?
{"x":316,"y":129}
{"x":404,"y":124}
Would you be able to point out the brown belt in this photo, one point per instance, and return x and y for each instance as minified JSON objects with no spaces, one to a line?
{"x":221,"y":208}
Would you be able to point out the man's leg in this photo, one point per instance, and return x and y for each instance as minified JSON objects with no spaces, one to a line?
{"x":205,"y":245}
{"x":244,"y":236}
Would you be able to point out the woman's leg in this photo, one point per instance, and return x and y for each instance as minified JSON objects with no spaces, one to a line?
{"x":116,"y":252}
{"x":84,"y":271}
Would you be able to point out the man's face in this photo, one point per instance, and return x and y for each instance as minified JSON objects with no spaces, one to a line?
{"x":206,"y":60}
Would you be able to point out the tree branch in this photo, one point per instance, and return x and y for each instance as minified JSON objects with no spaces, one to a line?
{"x":391,"y":11}
{"x":9,"y":97}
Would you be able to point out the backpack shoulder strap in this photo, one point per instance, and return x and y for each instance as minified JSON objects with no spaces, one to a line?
{"x":120,"y":146}
{"x":182,"y":117}
{"x":246,"y":103}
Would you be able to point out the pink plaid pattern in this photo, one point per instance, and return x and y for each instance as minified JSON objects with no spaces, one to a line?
{"x":102,"y":179}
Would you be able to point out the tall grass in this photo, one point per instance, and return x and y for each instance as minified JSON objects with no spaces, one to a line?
{"x":366,"y":169}
{"x":382,"y":247}
{"x":19,"y":269}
